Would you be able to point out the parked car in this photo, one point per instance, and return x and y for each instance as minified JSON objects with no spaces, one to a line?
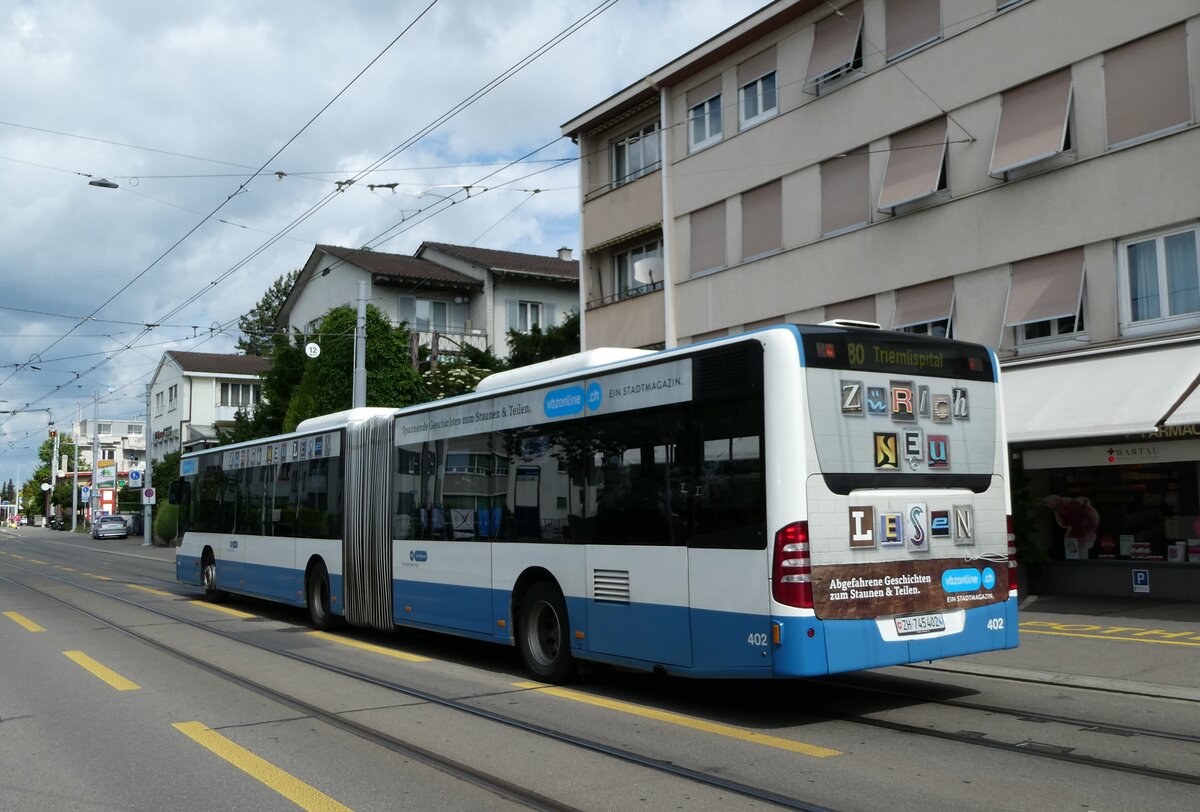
{"x":110,"y":527}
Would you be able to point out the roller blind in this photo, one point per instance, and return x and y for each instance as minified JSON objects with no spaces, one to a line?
{"x":708,"y":238}
{"x":1045,"y":287}
{"x":753,"y":68}
{"x":845,"y":191}
{"x":835,"y":43}
{"x":854,"y":310}
{"x":1033,"y":122}
{"x":762,"y":220}
{"x":1146,"y":85}
{"x":911,"y":23}
{"x":919,"y":304}
{"x":914,"y":166}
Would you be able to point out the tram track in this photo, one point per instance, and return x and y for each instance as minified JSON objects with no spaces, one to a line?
{"x":1026,"y":748}
{"x":453,"y":767}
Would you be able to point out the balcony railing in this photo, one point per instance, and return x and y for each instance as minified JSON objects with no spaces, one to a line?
{"x":640,"y":290}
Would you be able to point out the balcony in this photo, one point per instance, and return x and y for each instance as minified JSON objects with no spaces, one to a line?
{"x":632,"y":322}
{"x":451,"y":339}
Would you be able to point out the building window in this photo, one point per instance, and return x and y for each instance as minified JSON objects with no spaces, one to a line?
{"x":708,"y":238}
{"x":837,"y":50}
{"x":158,"y":404}
{"x":1045,"y":297}
{"x":916,"y":167}
{"x":104,"y":429}
{"x":1160,"y":280}
{"x":530,"y":316}
{"x":134,"y":430}
{"x":757,"y":100}
{"x":911,"y":24}
{"x":636,"y":154}
{"x":108,"y":453}
{"x":240,"y":394}
{"x":845,"y":192}
{"x":704,"y":114}
{"x":762,"y":220}
{"x":524,"y":316}
{"x":927,"y":309}
{"x":624,"y":282}
{"x":1035,"y":124}
{"x":172,"y":397}
{"x":1146,"y":89}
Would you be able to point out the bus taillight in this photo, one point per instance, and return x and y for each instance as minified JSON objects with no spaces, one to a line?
{"x":1012,"y":558}
{"x":791,"y":572}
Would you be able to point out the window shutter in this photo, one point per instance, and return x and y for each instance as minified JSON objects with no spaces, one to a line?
{"x":459,"y":311}
{"x":408,"y":310}
{"x":547,"y":315}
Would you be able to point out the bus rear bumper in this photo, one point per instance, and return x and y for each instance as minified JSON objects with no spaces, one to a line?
{"x":812,"y":647}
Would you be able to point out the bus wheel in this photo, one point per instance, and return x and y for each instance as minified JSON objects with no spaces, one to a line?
{"x":317,"y":590}
{"x":543,"y":634}
{"x":208,"y":577}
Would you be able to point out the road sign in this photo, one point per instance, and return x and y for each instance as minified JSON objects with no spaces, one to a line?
{"x":148,"y":496}
{"x":1141,"y":580}
{"x":85,"y":492}
{"x":135,"y":477}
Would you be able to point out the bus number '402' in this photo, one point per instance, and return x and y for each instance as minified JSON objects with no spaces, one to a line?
{"x":995,"y":624}
{"x":757,"y":639}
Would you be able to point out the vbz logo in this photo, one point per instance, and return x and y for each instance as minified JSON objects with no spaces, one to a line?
{"x":418,"y":555}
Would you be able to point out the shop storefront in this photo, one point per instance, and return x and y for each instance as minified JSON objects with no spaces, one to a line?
{"x":1105,"y":459}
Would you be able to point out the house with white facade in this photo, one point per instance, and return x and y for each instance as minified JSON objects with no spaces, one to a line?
{"x":466,"y":295}
{"x":195,"y":393}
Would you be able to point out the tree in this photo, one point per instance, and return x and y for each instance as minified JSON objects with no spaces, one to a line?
{"x":258,"y":326}
{"x":543,"y":345}
{"x":328,"y":380}
{"x":278,"y":385}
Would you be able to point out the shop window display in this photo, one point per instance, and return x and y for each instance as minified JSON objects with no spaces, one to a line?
{"x":1148,"y":512}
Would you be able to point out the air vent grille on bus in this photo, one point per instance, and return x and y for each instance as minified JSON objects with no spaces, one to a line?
{"x":610,"y":586}
{"x":731,"y":371}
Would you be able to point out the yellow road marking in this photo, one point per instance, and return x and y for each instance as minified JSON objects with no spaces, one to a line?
{"x":68,"y":569}
{"x":103,"y":672}
{"x":97,"y":577}
{"x":14,"y":555}
{"x":1110,"y":637}
{"x":218,"y":608}
{"x":23,"y":621}
{"x":387,"y":652}
{"x":258,"y":768}
{"x":35,"y":561}
{"x":148,"y":589}
{"x":684,"y":721}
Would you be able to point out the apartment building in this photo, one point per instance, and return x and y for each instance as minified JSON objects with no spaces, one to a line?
{"x":195,"y":393}
{"x":466,"y":296}
{"x":1020,"y":173}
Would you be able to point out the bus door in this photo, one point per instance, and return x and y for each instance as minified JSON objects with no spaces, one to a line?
{"x":637,"y":560}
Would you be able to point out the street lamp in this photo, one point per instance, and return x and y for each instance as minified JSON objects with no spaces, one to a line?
{"x":103,"y":183}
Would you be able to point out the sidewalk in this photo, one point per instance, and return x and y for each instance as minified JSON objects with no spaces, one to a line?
{"x":132,"y":546}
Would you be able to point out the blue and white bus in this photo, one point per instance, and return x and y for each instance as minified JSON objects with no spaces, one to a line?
{"x":795,"y":501}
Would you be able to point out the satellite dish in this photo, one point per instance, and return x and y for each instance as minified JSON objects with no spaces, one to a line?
{"x":647,"y":271}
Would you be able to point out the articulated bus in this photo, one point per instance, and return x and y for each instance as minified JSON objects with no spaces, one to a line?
{"x":789,"y":502}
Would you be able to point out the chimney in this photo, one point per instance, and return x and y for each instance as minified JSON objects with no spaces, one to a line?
{"x":564,"y":254}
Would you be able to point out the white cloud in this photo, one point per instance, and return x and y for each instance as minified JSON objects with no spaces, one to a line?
{"x":231,"y":82}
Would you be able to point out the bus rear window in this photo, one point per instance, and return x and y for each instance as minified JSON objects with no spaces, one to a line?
{"x":897,"y":354}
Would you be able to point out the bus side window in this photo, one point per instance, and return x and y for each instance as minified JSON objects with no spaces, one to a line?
{"x":179,"y":492}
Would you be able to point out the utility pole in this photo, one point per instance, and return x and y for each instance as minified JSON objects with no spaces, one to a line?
{"x":147,"y":509}
{"x":75,"y":470}
{"x":360,"y":349}
{"x":53,"y":469}
{"x":95,"y":458}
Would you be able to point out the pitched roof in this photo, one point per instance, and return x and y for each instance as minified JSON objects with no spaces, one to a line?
{"x":510,"y":260}
{"x":220,"y":363}
{"x":399,"y":266}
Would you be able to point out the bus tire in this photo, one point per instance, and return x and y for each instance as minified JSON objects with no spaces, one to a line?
{"x":316,"y":591}
{"x":543,"y":634}
{"x":208,"y":579}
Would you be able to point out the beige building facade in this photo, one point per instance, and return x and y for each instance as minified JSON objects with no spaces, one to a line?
{"x":1020,"y":173}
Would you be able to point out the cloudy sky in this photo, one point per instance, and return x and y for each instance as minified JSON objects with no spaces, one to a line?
{"x":181,"y":103}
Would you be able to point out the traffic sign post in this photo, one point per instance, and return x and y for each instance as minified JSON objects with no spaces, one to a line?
{"x":148,"y":496}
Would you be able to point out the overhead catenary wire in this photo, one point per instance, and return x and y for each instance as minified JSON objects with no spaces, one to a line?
{"x":557,"y":39}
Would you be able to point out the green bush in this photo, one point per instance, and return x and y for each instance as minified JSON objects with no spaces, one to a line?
{"x":166,"y":524}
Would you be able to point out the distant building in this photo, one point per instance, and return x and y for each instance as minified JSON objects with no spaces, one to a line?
{"x":195,"y":393}
{"x":468,"y":296}
{"x":1020,"y":173}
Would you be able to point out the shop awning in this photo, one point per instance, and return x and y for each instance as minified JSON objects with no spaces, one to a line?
{"x":1098,"y":395}
{"x":1186,"y":413}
